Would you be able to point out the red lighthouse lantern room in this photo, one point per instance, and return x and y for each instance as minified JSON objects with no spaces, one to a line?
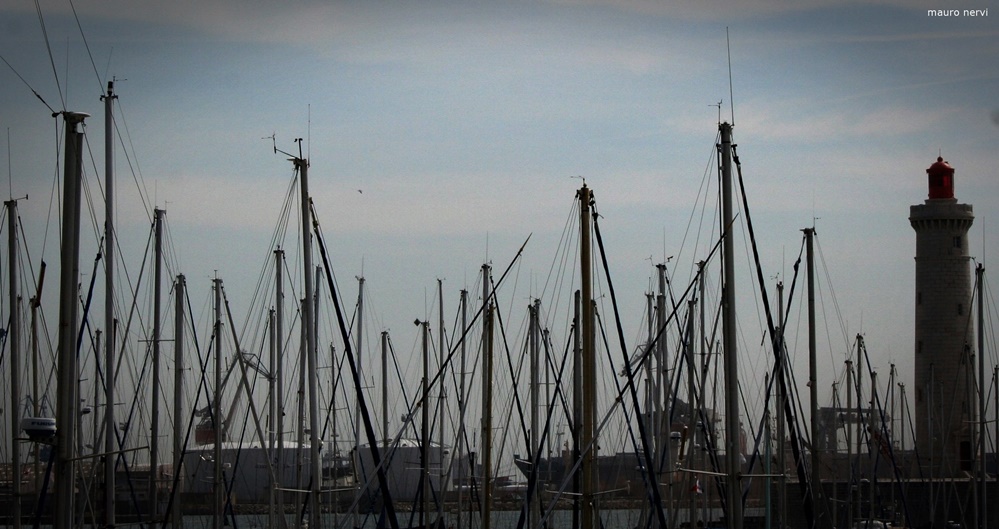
{"x":941,"y":179}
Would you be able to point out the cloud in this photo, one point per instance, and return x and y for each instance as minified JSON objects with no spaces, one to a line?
{"x":801,"y":123}
{"x":437,"y":35}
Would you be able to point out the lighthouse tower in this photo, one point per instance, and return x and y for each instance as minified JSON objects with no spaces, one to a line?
{"x":944,"y":328}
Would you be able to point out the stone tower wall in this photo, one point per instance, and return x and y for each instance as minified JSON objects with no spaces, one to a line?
{"x":944,"y":333}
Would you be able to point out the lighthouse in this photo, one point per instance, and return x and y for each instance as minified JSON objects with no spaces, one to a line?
{"x":944,"y":328}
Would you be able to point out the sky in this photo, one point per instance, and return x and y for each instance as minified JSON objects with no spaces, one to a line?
{"x":442,"y":134}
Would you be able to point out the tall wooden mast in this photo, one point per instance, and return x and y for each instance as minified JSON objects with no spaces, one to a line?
{"x":733,"y":487}
{"x":463,"y":471}
{"x":487,"y":401}
{"x":154,"y":438}
{"x":14,"y":338}
{"x":424,"y":425}
{"x":980,"y":467}
{"x":535,"y":351}
{"x":218,"y":425}
{"x":277,"y":368}
{"x":441,"y":358}
{"x":272,"y":399}
{"x":815,"y":484}
{"x":308,"y":319}
{"x":69,"y":271}
{"x":178,"y":402}
{"x":589,"y":367}
{"x":109,"y":322}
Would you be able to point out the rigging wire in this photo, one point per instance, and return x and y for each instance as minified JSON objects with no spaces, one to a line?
{"x":54,"y":194}
{"x":700,"y":204}
{"x":84,"y":181}
{"x":835,"y":299}
{"x":76,"y":16}
{"x":33,"y":91}
{"x":758,"y":288}
{"x":48,"y":47}
{"x":133,"y":165}
{"x":796,"y":449}
{"x":513,"y":373}
{"x":560,"y":264}
{"x":133,"y":313}
{"x":278,"y":236}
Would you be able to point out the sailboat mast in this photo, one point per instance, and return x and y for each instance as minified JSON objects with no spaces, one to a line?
{"x":278,"y":369}
{"x":901,"y":416}
{"x":441,"y":356}
{"x":95,"y":427}
{"x":849,"y":438}
{"x":782,"y":396}
{"x":703,"y":368}
{"x":979,"y":283}
{"x":35,"y":392}
{"x":178,"y":385}
{"x":733,"y":488}
{"x":218,"y":426}
{"x":385,"y":423}
{"x":535,"y":348}
{"x":487,"y":401}
{"x":14,"y":338}
{"x":425,"y":426}
{"x":310,"y":343}
{"x":317,"y":442}
{"x":463,"y":473}
{"x":647,"y":364}
{"x":647,"y":404}
{"x":359,"y":341}
{"x":577,"y":405}
{"x":871,"y":454}
{"x":69,"y":270}
{"x":813,"y":387}
{"x":892,"y":382}
{"x":154,"y":440}
{"x":385,"y":432}
{"x":300,"y":423}
{"x":272,"y":420}
{"x":662,"y":385}
{"x":587,"y":431}
{"x":109,"y":323}
{"x":691,"y":426}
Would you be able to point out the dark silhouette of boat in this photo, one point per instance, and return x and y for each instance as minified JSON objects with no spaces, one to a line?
{"x":620,"y":472}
